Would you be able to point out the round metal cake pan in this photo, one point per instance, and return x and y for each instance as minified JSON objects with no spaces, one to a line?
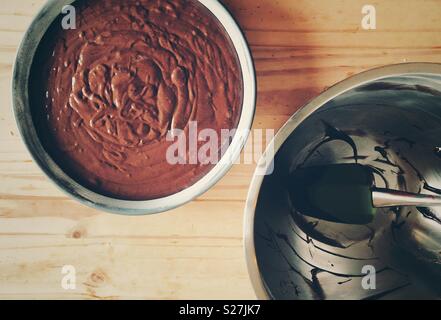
{"x":21,"y":105}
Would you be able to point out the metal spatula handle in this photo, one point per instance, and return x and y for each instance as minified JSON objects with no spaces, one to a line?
{"x":392,"y":198}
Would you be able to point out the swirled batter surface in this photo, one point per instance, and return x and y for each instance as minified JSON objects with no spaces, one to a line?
{"x":129,"y":73}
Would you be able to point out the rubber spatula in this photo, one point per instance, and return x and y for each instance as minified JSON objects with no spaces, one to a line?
{"x":345,"y":193}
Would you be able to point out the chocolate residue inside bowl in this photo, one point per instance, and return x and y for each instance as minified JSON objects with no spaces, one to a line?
{"x":391,"y":130}
{"x":105,"y":95}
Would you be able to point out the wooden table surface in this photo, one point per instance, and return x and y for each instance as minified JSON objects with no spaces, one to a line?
{"x":300,"y":47}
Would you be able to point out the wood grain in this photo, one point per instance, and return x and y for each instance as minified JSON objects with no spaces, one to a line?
{"x":300,"y":48}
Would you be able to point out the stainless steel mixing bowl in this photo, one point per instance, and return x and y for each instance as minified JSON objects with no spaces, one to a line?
{"x":389,"y":119}
{"x":21,"y":103}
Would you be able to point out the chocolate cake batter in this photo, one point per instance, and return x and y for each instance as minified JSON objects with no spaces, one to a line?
{"x":131,"y":71}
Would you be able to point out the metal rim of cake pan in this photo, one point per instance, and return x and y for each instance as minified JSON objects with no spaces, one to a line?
{"x":21,"y":106}
{"x":296,"y":119}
